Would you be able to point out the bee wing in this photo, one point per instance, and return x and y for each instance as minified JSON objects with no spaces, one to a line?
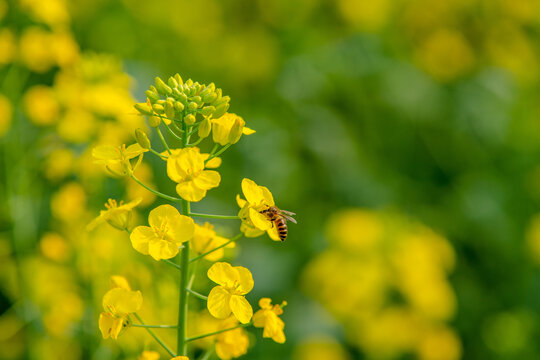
{"x":287,"y":212}
{"x":288,"y":218}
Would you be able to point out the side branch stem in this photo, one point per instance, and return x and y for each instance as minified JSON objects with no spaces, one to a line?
{"x":168,"y":197}
{"x":217,"y":332}
{"x":217,"y":248}
{"x":211,"y":216}
{"x":155,"y":336}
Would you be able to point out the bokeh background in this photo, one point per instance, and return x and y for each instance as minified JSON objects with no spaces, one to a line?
{"x":405,"y":134}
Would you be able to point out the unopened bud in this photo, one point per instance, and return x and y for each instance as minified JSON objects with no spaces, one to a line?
{"x":178,"y":79}
{"x":169,"y":109}
{"x":142,"y":139}
{"x":162,"y":88}
{"x":160,"y":109}
{"x":221,"y":110}
{"x":221,"y":100}
{"x":207,"y":110}
{"x":211,"y":97}
{"x":236,"y":130}
{"x":197,"y":99}
{"x":190,"y":119}
{"x":154,"y":121}
{"x":192,"y":106}
{"x":172,"y":82}
{"x":204,"y":128}
{"x":144,"y":108}
{"x":178,"y":106}
{"x":152,"y":96}
{"x":188,"y":83}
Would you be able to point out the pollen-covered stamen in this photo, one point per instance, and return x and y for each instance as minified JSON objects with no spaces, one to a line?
{"x":111,"y":204}
{"x":162,"y":231}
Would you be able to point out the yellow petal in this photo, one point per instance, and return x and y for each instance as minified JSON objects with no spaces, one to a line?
{"x":188,"y":191}
{"x":213,"y":163}
{"x":250,"y":231}
{"x":245,"y":279}
{"x":223,"y":273}
{"x":260,"y":221}
{"x":140,"y":237}
{"x":268,"y":198}
{"x":109,"y":325}
{"x":241,"y":202}
{"x":272,"y":232}
{"x":120,"y":282}
{"x":241,"y":308}
{"x":191,"y":160}
{"x":265,"y":303}
{"x":134,"y":151}
{"x":174,"y":172}
{"x":181,"y":228}
{"x":162,"y":249}
{"x":252,"y":191}
{"x":207,"y":179}
{"x":247,"y":131}
{"x":259,"y":319}
{"x":163,"y":214}
{"x":218,"y":303}
{"x":122,"y":301}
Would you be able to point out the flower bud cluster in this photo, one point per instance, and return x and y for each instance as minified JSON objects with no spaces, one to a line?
{"x":187,"y":102}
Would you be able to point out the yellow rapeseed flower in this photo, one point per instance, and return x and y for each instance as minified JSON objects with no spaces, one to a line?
{"x":180,"y":358}
{"x":117,"y":214}
{"x":149,"y":355}
{"x":117,"y":158}
{"x":35,"y":49}
{"x":258,"y":198}
{"x":186,"y":167}
{"x":268,"y":318}
{"x":228,"y":296}
{"x":41,"y":105}
{"x":205,"y":239}
{"x":232,"y":343}
{"x":167,"y":231}
{"x":118,"y":304}
{"x":5,"y":115}
{"x":7,"y":46}
{"x":229,"y":128}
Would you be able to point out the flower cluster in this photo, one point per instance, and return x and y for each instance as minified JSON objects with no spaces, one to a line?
{"x":186,"y":110}
{"x":389,"y":286}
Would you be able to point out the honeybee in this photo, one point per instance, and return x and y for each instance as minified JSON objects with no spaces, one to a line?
{"x":279,"y":218}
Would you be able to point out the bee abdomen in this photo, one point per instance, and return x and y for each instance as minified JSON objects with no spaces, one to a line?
{"x":281,"y":226}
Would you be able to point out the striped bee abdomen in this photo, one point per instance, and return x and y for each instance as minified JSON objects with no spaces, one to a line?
{"x":281,"y":226}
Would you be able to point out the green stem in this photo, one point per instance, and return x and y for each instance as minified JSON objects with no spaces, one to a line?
{"x":196,"y":294}
{"x":218,"y":153}
{"x":184,"y":278}
{"x":217,"y":332}
{"x":170,"y":198}
{"x":211,"y":216}
{"x":155,"y":336}
{"x":158,"y":154}
{"x":196,"y":142}
{"x":194,"y":128}
{"x":207,"y":354}
{"x":217,"y":248}
{"x":214,"y":149}
{"x":185,"y":138}
{"x":172,"y":132}
{"x":163,"y":139}
{"x":156,"y":326}
{"x":172,"y":264}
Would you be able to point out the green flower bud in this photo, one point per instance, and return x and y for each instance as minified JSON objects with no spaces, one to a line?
{"x":197,"y":99}
{"x":160,"y":109}
{"x":190,"y":119}
{"x":188,"y":83}
{"x":193,"y":91}
{"x":221,"y":100}
{"x":211,"y":97}
{"x":154,"y":121}
{"x":207,"y":110}
{"x":219,"y":92}
{"x":178,"y":106}
{"x":144,"y":108}
{"x":192,"y":106}
{"x":169,"y":109}
{"x":178,"y":79}
{"x":204,"y":128}
{"x":172,"y":82}
{"x":152,"y":96}
{"x":183,"y":98}
{"x":236,"y":131}
{"x":221,"y":110}
{"x":162,"y":88}
{"x":142,"y":139}
{"x":161,"y":102}
{"x":176,"y":93}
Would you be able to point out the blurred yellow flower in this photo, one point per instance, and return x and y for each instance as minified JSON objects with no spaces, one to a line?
{"x":118,"y":215}
{"x":50,"y":12}
{"x":180,"y":358}
{"x":69,"y":203}
{"x":228,"y":296}
{"x":368,"y":15}
{"x":117,"y":158}
{"x":446,"y":55}
{"x":118,"y":303}
{"x":65,"y":48}
{"x":167,"y":231}
{"x":35,"y":49}
{"x":41,"y":105}
{"x":205,"y":239}
{"x":258,"y":198}
{"x":59,"y":163}
{"x":232,"y":343}
{"x":54,"y":247}
{"x":7,"y":46}
{"x":439,"y":344}
{"x":268,"y":318}
{"x":134,"y":190}
{"x":203,"y":323}
{"x":320,"y":348}
{"x":229,"y":128}
{"x":77,"y":126}
{"x":186,"y":167}
{"x":149,"y":355}
{"x":5,"y":114}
